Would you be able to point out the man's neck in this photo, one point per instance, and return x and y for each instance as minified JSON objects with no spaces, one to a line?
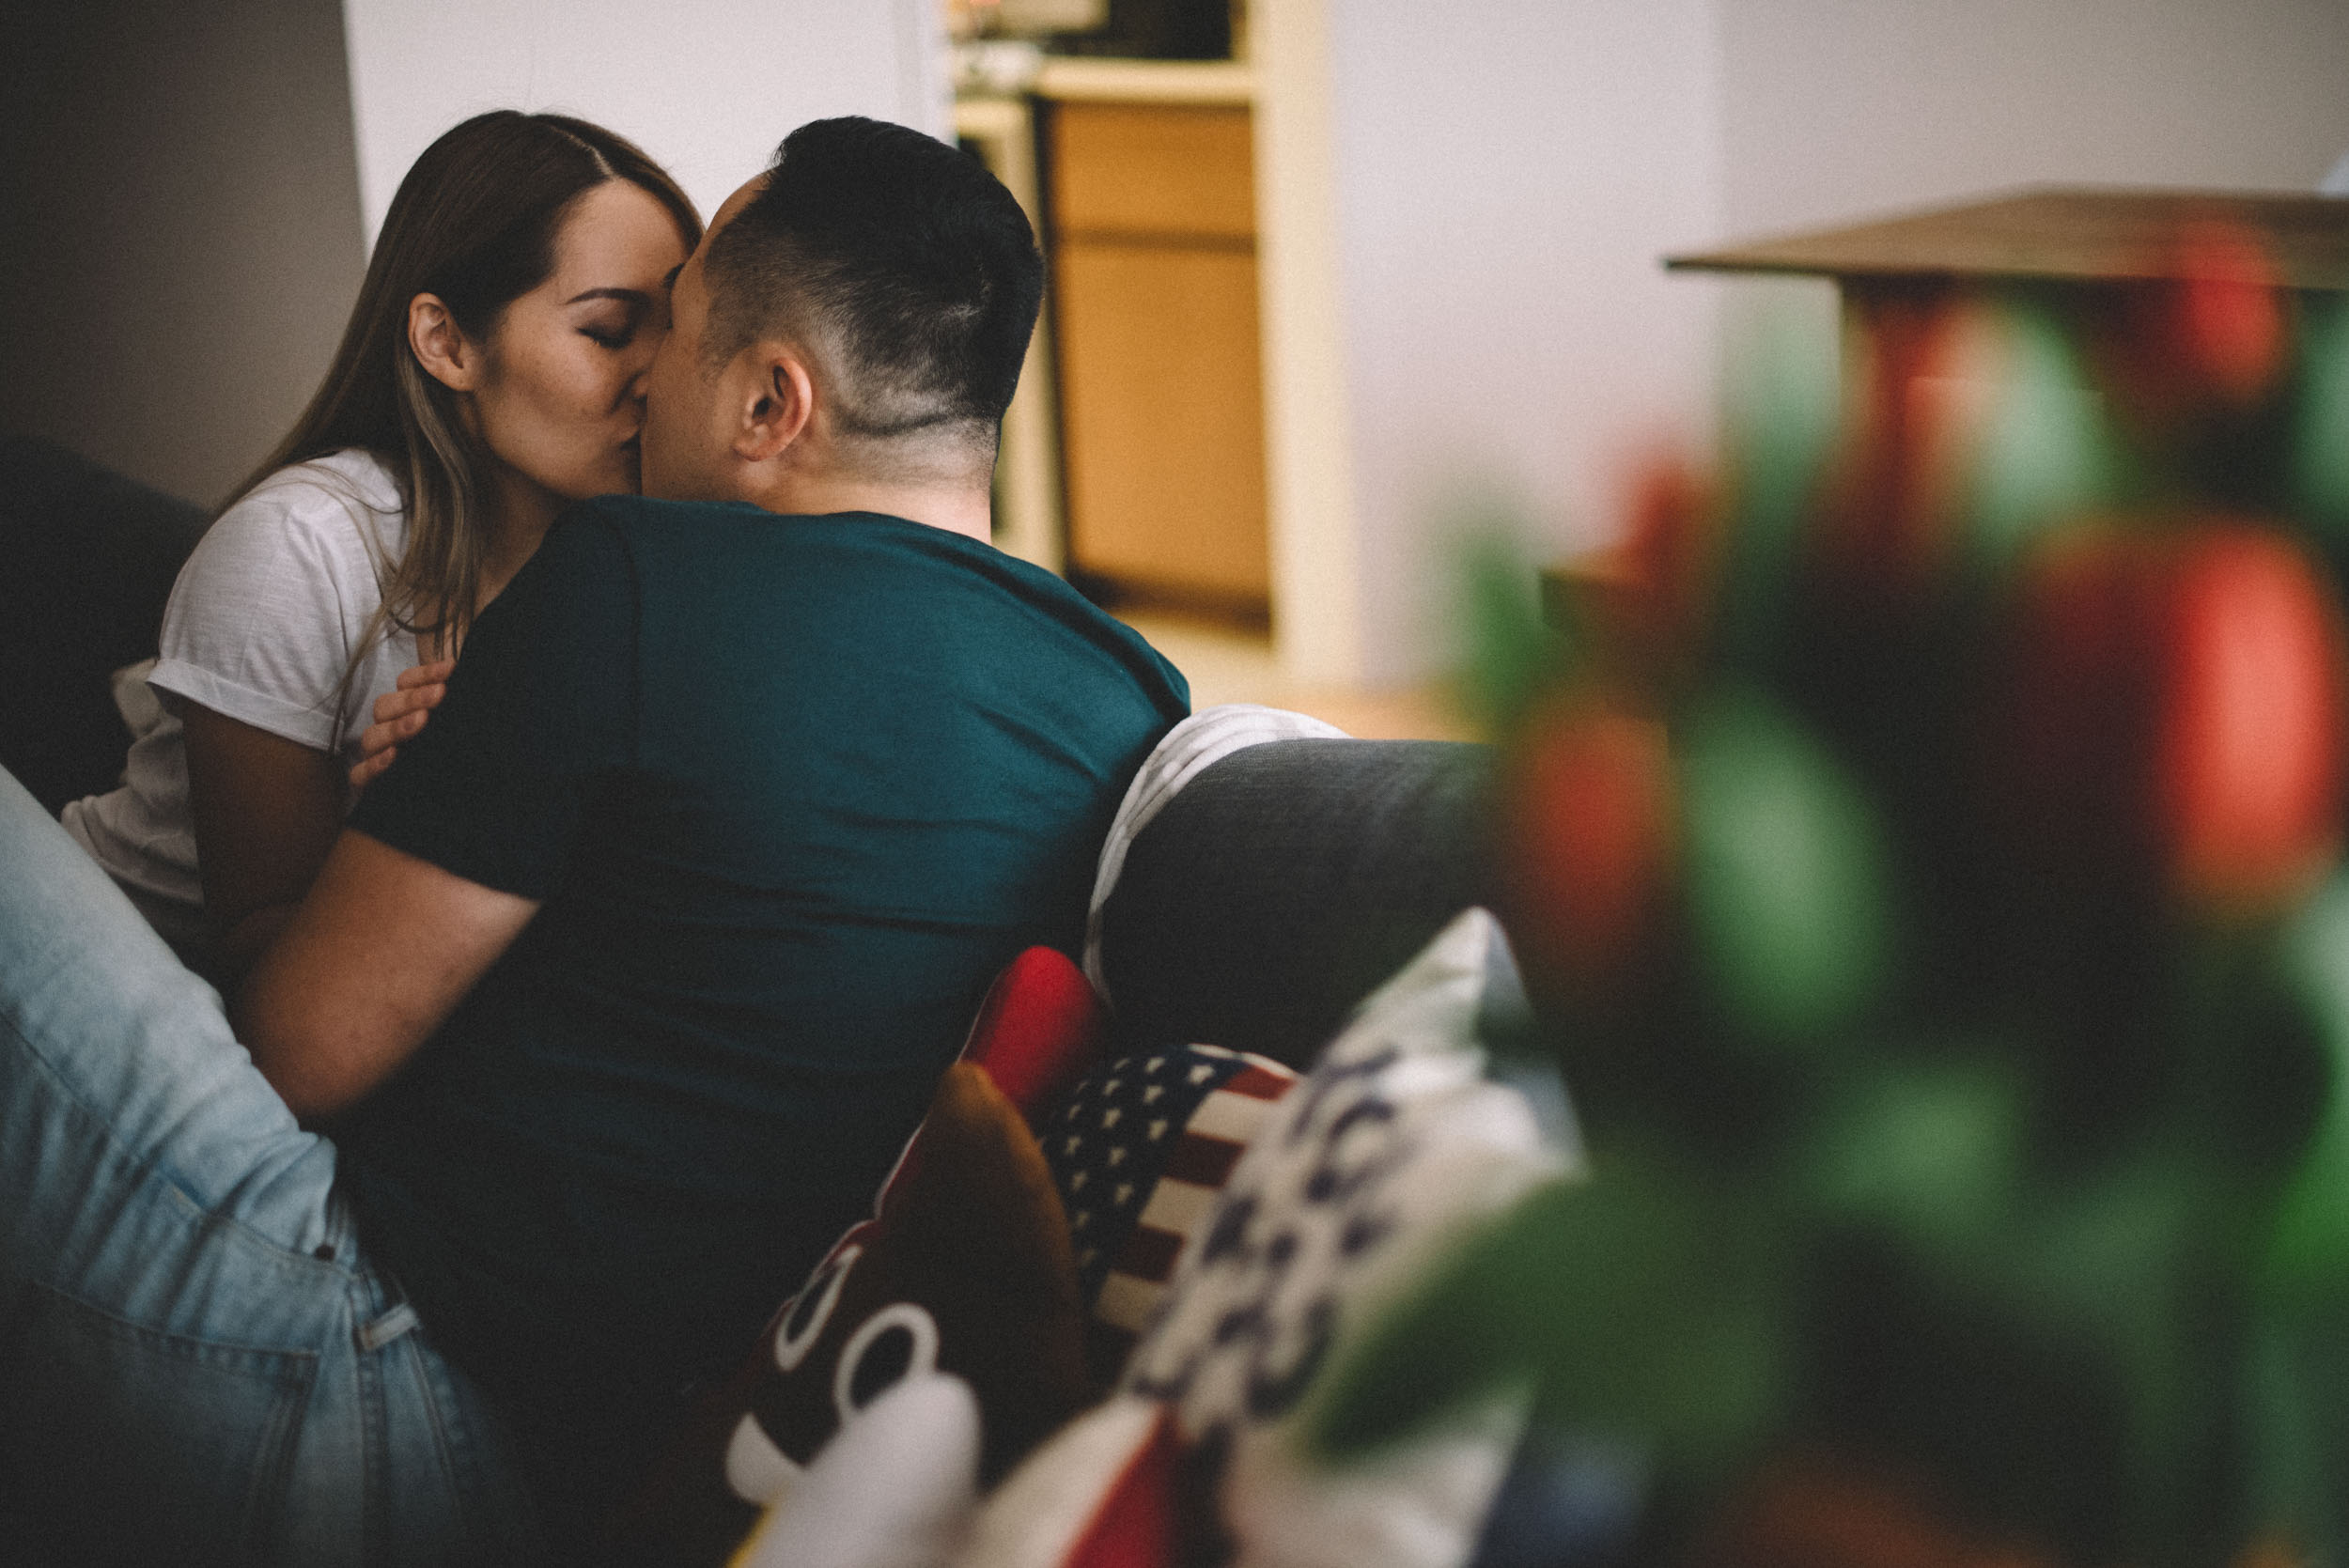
{"x":959,"y":508}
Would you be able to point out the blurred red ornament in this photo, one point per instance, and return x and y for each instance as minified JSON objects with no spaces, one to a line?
{"x":1930,"y":363}
{"x":2213,"y":332}
{"x":1818,"y":1513}
{"x":1643,"y":600}
{"x":2229,"y":317}
{"x":1669,"y":548}
{"x":2247,"y":772}
{"x":2170,"y":714}
{"x":1588,"y":830}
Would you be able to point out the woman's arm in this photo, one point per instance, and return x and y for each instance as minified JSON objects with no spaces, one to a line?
{"x":271,"y":640}
{"x":265,"y":811}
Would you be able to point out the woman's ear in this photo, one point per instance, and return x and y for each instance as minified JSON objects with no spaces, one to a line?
{"x":441,"y":346}
{"x":779,"y":398}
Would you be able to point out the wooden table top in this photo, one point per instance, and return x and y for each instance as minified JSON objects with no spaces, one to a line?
{"x":2069,"y":233}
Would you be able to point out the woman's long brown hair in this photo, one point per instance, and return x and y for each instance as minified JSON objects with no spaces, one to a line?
{"x":475,"y":222}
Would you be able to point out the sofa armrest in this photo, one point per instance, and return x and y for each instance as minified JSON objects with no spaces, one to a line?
{"x":1284,"y":881}
{"x":86,"y":561}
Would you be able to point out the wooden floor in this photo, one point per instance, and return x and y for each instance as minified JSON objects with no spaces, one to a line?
{"x":1227,"y":665}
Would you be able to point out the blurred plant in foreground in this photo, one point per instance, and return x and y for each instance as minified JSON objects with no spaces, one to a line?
{"x":1925,"y":837}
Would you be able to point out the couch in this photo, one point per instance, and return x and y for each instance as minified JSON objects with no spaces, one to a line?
{"x":91,"y":558}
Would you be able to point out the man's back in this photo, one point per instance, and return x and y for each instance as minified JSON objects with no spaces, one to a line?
{"x":791,"y":790}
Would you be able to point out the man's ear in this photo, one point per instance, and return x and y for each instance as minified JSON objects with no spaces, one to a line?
{"x":441,"y":346}
{"x":778,"y":400}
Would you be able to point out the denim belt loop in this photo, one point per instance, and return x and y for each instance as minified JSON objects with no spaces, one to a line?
{"x":380,"y":1330}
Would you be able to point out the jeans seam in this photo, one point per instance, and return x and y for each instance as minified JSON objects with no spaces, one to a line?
{"x":460,"y":1453}
{"x":266,"y":1498}
{"x":375,"y":1426}
{"x":291,"y":1260}
{"x":155,"y":1331}
{"x":153,"y":1170}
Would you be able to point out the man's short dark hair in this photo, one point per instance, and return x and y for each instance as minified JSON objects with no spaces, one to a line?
{"x":896,"y":260}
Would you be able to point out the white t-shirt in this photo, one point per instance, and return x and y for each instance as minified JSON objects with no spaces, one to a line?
{"x":264,"y":619}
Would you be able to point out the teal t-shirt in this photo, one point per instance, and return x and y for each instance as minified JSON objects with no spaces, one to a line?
{"x":791,"y":790}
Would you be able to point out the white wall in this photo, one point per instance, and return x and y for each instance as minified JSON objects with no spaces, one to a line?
{"x":179,"y":229}
{"x":707,"y":88}
{"x":1508,"y":172}
{"x":1839,"y":109}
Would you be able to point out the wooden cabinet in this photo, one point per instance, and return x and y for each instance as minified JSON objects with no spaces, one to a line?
{"x":1152,"y":243}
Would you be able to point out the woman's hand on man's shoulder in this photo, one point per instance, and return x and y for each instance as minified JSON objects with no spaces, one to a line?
{"x":399,"y":714}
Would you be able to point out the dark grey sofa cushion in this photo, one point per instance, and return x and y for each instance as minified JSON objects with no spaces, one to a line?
{"x":87,"y":560}
{"x":1286,"y":881}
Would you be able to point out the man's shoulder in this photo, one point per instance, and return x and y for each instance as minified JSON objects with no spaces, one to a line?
{"x":701,"y":571}
{"x":702,"y":527}
{"x":646,"y":514}
{"x":842,"y":545}
{"x":641,"y":540}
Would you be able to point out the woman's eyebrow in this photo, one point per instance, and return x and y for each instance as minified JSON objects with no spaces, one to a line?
{"x":633,"y":296}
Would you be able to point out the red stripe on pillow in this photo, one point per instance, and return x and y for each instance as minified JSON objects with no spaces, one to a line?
{"x":1203,"y":1162}
{"x":1258,"y":1084}
{"x":1136,"y":1525}
{"x":1149,"y":1253}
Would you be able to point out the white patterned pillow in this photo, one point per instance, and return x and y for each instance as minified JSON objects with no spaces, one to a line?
{"x":1392,"y":1147}
{"x":896,"y":1488}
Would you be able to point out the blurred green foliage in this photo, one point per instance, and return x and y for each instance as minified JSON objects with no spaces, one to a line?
{"x":2038,"y":1196}
{"x":1789,"y":908}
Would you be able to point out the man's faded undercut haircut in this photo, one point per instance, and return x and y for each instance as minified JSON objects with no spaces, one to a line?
{"x":899,"y":263}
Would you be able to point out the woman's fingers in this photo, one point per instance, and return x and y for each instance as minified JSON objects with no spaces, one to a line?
{"x":413,"y":699}
{"x":418,"y":686}
{"x":367,"y":768}
{"x":434,"y":674}
{"x":393,"y":724}
{"x":384,"y":734}
{"x":399,"y":713}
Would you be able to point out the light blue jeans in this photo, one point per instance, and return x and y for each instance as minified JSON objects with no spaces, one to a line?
{"x":197,"y":1362}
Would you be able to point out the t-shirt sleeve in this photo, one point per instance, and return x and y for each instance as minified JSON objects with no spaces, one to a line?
{"x":543,"y":706}
{"x":268,"y":609}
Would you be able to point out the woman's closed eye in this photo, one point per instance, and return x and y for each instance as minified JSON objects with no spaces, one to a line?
{"x":611,"y":317}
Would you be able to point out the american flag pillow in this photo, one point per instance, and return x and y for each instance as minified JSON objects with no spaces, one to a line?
{"x":1138,"y":1155}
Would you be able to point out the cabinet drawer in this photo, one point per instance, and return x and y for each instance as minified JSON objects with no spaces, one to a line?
{"x":1162,"y":409}
{"x":1153,"y":169}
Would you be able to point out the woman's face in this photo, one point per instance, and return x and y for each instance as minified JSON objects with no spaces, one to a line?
{"x":560,"y":398}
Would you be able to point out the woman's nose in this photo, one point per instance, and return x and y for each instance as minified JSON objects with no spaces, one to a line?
{"x":640,"y":373}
